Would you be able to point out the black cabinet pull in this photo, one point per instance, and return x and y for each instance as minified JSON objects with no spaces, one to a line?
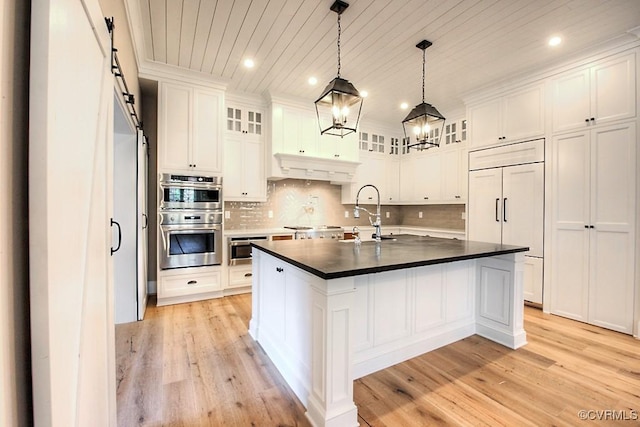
{"x":192,"y":282}
{"x":248,"y":275}
{"x":586,"y":120}
{"x":586,"y":226}
{"x":497,"y":209}
{"x":504,"y":210}
{"x":593,"y":119}
{"x":279,"y":269}
{"x":592,"y":226}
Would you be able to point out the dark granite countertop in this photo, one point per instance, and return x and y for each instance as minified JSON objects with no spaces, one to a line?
{"x":331,"y":259}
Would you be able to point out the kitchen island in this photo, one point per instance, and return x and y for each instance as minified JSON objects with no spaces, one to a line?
{"x":329,"y":312}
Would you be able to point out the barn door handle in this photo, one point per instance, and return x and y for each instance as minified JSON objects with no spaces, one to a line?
{"x":113,"y":251}
{"x":146,"y":221}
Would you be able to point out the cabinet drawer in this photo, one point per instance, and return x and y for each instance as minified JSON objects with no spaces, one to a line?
{"x":188,"y":284}
{"x":240,"y":276}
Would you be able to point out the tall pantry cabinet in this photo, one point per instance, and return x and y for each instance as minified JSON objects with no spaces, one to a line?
{"x":593,"y":192}
{"x":593,"y":226}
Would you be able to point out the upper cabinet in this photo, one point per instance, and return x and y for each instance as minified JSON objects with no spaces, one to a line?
{"x":244,"y":177}
{"x":455,"y":132}
{"x":295,"y":148}
{"x":189,"y":129}
{"x":244,"y":149}
{"x":593,"y":95}
{"x":517,"y":115}
{"x":379,"y":165}
{"x":243,"y":120}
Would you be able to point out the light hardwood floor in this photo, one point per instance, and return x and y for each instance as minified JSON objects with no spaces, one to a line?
{"x":195,"y":365}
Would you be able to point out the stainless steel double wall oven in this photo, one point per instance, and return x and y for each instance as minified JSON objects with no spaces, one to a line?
{"x":190,"y":220}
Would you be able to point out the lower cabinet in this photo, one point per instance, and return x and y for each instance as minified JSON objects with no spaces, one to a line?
{"x":239,"y":276}
{"x":185,"y":285}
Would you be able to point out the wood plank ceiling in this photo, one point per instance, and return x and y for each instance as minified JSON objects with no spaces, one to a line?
{"x":475,"y":43}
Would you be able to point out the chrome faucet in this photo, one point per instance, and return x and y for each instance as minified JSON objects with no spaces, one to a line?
{"x":378,"y":222}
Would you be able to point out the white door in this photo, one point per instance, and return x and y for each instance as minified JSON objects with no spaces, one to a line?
{"x":612,"y":227}
{"x":70,"y":149}
{"x":143,"y":223}
{"x":570,"y":222}
{"x":125,"y":214}
{"x":485,"y":205}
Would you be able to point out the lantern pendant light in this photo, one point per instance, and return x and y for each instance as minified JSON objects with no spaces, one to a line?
{"x":423,"y":126}
{"x":340,"y":99}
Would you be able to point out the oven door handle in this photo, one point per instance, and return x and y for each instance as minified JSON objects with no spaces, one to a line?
{"x":191,"y":228}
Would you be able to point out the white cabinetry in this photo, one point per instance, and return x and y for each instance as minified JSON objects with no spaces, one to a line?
{"x":244,"y":170}
{"x":244,"y":120}
{"x":595,"y":95}
{"x":239,"y":276}
{"x":379,"y":165}
{"x":515,"y":116}
{"x":189,"y":130}
{"x":506,"y":204}
{"x":434,"y":176}
{"x":593,"y":226}
{"x":295,"y":148}
{"x":455,"y":132}
{"x":176,"y":286}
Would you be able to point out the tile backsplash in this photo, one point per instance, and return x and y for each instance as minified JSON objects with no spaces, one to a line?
{"x":293,"y":202}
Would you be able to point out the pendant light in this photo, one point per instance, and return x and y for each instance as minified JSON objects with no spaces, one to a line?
{"x":340,"y":99}
{"x":423,"y":126}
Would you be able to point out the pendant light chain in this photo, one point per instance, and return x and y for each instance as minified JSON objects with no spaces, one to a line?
{"x":423,"y":72}
{"x":339,"y":32}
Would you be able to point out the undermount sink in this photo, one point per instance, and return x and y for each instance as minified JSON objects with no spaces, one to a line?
{"x":386,"y":238}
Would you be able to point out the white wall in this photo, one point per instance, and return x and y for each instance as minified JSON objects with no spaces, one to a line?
{"x":15,"y":380}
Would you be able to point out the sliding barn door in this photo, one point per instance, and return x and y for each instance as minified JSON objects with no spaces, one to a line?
{"x":70,"y":194}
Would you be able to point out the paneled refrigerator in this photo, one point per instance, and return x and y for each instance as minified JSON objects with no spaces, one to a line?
{"x":506,"y":204}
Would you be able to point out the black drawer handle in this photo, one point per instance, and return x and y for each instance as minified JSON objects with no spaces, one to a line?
{"x":192,"y":282}
{"x":248,"y":274}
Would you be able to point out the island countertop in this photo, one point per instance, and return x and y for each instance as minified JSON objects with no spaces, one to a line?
{"x":331,"y":259}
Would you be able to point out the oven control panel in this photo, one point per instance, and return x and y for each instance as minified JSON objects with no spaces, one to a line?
{"x":179,"y":217}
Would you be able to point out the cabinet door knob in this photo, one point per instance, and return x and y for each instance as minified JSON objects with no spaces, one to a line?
{"x":586,"y":120}
{"x":593,"y":119}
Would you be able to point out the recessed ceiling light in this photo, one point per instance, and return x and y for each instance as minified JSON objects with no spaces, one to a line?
{"x":555,"y":41}
{"x":313,"y":81}
{"x":248,"y":63}
{"x":404,"y":105}
{"x":364,"y":93}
